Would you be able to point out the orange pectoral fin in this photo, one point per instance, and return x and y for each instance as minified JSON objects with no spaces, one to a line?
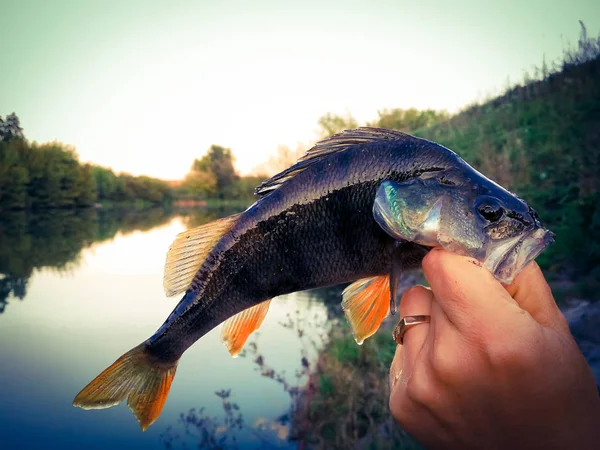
{"x":366,"y":303}
{"x":238,"y":328}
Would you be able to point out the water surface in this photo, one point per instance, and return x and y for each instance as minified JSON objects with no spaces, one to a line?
{"x":78,"y":289}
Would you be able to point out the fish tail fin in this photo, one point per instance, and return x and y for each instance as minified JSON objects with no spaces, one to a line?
{"x":137,"y":376}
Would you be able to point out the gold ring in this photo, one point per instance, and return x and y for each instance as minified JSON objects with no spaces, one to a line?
{"x":405,"y":323}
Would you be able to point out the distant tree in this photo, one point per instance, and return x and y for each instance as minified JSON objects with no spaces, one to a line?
{"x":408,"y":120}
{"x":200,"y":183}
{"x":283,"y":158}
{"x":218,"y":161}
{"x":56,"y":176}
{"x":14,"y":176}
{"x":43,"y":176}
{"x":84,"y":187}
{"x":331,"y":124}
{"x":107,"y":183}
{"x":50,"y":175}
{"x":11,"y":128}
{"x":243,"y":188}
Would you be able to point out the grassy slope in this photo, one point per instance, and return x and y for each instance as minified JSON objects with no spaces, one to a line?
{"x":349,"y":405}
{"x":541,"y":141}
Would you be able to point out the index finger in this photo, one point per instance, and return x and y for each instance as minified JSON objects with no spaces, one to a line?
{"x":466,"y":291}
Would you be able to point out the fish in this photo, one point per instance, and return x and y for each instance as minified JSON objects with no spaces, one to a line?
{"x":362,"y":207}
{"x":465,"y":213}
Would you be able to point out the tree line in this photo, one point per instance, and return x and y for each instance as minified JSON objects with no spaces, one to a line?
{"x":42,"y":176}
{"x":34,"y":176}
{"x":213,"y":176}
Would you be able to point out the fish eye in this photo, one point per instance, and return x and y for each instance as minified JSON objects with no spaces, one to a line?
{"x":490,"y":210}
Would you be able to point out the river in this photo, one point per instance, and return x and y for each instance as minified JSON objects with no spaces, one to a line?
{"x":80,"y":288}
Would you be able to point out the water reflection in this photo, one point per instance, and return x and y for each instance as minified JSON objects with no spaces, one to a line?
{"x":92,"y":284}
{"x":54,"y":239}
{"x":28,"y":242}
{"x":311,"y":328}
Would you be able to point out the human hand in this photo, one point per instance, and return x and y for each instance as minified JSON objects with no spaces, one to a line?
{"x":495,"y":368}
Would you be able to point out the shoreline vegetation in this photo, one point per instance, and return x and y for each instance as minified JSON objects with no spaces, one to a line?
{"x":541,"y":140}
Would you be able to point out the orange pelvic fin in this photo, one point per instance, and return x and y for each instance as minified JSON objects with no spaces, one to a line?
{"x":189,"y":250}
{"x":135,"y":376}
{"x":237,"y":328}
{"x":366,"y":303}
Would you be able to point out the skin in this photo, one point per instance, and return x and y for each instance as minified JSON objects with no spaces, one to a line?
{"x":497,"y":366}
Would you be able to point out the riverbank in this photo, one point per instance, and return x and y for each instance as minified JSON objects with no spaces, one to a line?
{"x":346,"y":398}
{"x":345,"y":401}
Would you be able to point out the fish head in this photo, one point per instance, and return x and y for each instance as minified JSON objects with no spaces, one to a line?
{"x":464,"y":212}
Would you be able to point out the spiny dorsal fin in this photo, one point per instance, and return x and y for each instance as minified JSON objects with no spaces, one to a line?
{"x":334,"y":144}
{"x":366,"y":303}
{"x":237,"y":328}
{"x":189,"y":250}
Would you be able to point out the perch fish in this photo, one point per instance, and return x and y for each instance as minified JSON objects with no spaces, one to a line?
{"x":361,"y":207}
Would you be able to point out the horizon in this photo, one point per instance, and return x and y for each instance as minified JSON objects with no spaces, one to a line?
{"x":127,"y":85}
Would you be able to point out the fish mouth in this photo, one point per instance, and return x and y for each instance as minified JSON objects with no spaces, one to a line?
{"x":508,"y":259}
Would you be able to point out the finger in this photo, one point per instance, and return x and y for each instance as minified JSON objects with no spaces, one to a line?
{"x":464,"y":289}
{"x":416,"y":301}
{"x":532,"y":293}
{"x":396,"y":368}
{"x":415,"y":418}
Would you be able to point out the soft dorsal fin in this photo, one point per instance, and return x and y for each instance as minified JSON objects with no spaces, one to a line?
{"x":366,"y":303}
{"x":189,"y":250}
{"x":334,"y":144}
{"x":238,"y":328}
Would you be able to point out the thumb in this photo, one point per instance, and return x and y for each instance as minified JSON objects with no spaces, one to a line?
{"x":466,"y":291}
{"x":532,"y":293}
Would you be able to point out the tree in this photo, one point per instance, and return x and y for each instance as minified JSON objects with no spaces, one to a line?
{"x":200,"y":183}
{"x":408,"y":120}
{"x":13,"y":176}
{"x":10,"y":129}
{"x":218,"y":161}
{"x":283,"y":158}
{"x":106,"y":183}
{"x":332,"y":123}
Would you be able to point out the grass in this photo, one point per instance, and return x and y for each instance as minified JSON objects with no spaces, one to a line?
{"x":349,"y":403}
{"x":541,"y":140}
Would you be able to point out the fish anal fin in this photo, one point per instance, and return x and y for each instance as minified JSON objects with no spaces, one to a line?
{"x":366,"y":303}
{"x":238,"y":328}
{"x":189,"y":251}
{"x":135,"y":376}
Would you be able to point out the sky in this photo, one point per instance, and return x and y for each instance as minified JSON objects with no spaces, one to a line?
{"x":147,"y":86}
